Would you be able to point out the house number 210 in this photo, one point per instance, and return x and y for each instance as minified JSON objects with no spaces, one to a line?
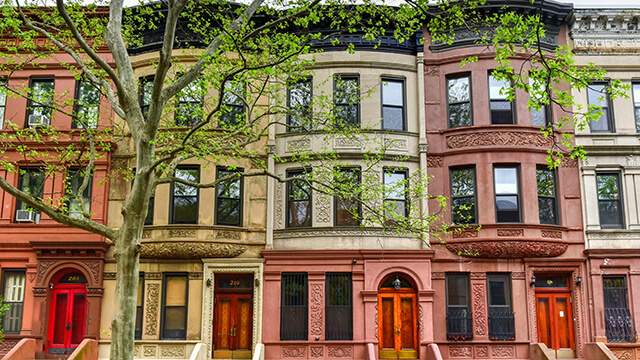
{"x":235,"y":282}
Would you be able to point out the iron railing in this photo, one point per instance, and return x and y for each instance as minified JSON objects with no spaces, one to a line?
{"x":459,"y":325}
{"x":619,"y":325}
{"x":501,"y":325}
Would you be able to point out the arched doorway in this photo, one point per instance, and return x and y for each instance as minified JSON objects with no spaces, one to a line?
{"x":67,"y":312}
{"x":397,"y":318}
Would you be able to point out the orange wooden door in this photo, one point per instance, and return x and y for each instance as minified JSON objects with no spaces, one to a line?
{"x":397,"y":325}
{"x":233,"y":326}
{"x":555,"y":321}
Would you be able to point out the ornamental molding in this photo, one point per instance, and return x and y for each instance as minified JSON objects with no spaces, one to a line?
{"x":479,"y":312}
{"x":151,"y":306}
{"x":510,"y":232}
{"x":614,"y":236}
{"x":322,"y":208}
{"x":316,"y":306}
{"x":499,"y":138}
{"x":602,"y":31}
{"x":294,"y":146}
{"x":465,"y":234}
{"x":437,"y":276}
{"x":333,"y":233}
{"x":189,"y":250}
{"x":316,"y":351}
{"x":551,"y":234}
{"x":108,"y":276}
{"x":343,"y":142}
{"x":507,"y":249}
{"x":423,"y":148}
{"x":294,"y":352}
{"x":339,"y":352}
{"x":395,"y":144}
{"x":279,"y":211}
{"x":7,"y":345}
{"x":503,"y":351}
{"x":518,"y":275}
{"x":434,"y":161}
{"x":482,"y":351}
{"x":460,"y":351}
{"x":172,"y":351}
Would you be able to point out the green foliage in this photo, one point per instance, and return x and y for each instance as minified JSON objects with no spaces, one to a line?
{"x":3,"y":309}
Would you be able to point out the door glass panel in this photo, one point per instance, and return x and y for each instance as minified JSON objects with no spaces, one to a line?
{"x":562,"y":316}
{"x":243,"y":324}
{"x":406,"y":326}
{"x":60,"y":322}
{"x":79,"y":318}
{"x":222,"y":325}
{"x":387,"y":324}
{"x":544,"y":322}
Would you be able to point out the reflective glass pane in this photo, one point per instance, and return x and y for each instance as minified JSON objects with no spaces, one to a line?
{"x":229,"y":188}
{"x":395,"y":185}
{"x":506,"y":180}
{"x":185,"y":209}
{"x":460,"y":115}
{"x":607,"y":186}
{"x":458,"y":90}
{"x":176,"y":291}
{"x":393,"y":118}
{"x":610,"y":213}
{"x":547,"y":209}
{"x":498,"y":88}
{"x":539,"y":117}
{"x":508,"y":202}
{"x":42,"y":92}
{"x":187,"y":175}
{"x":602,"y":123}
{"x":392,"y":93}
{"x":463,"y":209}
{"x":596,"y":95}
{"x":175,"y":318}
{"x":636,"y":94}
{"x":299,"y":213}
{"x":463,"y":182}
{"x":546,"y":182}
{"x":228,"y":212}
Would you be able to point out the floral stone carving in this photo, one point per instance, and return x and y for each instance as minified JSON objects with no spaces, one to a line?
{"x":498,"y":138}
{"x":507,"y":249}
{"x":189,"y":250}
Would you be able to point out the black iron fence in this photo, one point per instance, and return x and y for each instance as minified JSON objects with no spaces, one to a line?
{"x":619,"y":325}
{"x":459,"y":325}
{"x":502,"y":325}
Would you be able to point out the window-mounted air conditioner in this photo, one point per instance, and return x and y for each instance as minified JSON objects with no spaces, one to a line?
{"x":26,"y":216}
{"x":38,"y":121}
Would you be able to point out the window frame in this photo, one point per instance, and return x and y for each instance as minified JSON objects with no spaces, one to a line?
{"x":556,"y":205}
{"x":517,"y":194}
{"x":77,"y":107}
{"x":402,"y":82}
{"x":293,"y":127}
{"x":636,"y":102}
{"x":38,"y":169}
{"x":470,"y":101}
{"x":163,"y":306}
{"x":69,"y":190}
{"x":467,"y":281}
{"x":622,"y":224}
{"x":180,"y":101}
{"x":608,"y":110}
{"x":172,"y":196}
{"x":30,"y":101}
{"x":348,"y":331}
{"x":303,"y":307}
{"x":512,"y":107}
{"x":3,"y":284}
{"x":4,"y":83}
{"x":342,"y":78}
{"x":230,"y":86}
{"x":139,"y":308}
{"x":240,"y":199}
{"x":405,"y":200}
{"x":336,"y":199}
{"x":475,"y":193}
{"x":144,"y":80}
{"x":291,"y":174}
{"x":505,"y":278}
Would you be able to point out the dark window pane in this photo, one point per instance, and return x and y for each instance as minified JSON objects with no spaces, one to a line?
{"x":546,"y":182}
{"x":185,"y":197}
{"x":228,"y":212}
{"x":463,"y":182}
{"x":346,"y":98}
{"x":174,"y":318}
{"x":610,"y":213}
{"x":300,"y":95}
{"x":185,"y":209}
{"x":501,"y":112}
{"x":338,"y":307}
{"x":547,"y":207}
{"x":347,"y":206}
{"x":294,"y":307}
{"x":463,"y":209}
{"x":229,"y":198}
{"x":457,"y":290}
{"x":460,"y":115}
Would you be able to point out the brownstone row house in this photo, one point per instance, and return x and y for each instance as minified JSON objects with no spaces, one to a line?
{"x":550,"y":272}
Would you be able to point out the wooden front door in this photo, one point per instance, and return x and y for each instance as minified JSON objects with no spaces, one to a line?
{"x":555,"y":322}
{"x":397,"y":323}
{"x":67,"y":314}
{"x":233,"y":319}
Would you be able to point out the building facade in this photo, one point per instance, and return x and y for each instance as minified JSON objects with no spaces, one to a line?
{"x":609,"y":174}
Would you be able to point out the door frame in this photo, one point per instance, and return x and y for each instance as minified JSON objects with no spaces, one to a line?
{"x":397,"y":295}
{"x":553,"y":295}
{"x":71,"y":289}
{"x":226,"y":266}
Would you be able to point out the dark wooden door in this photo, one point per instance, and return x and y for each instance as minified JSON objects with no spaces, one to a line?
{"x":555,"y":322}
{"x":67,"y":318}
{"x":397,"y":325}
{"x":233,"y":326}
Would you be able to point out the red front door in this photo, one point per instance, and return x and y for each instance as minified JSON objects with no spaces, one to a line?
{"x":67,"y":315}
{"x":555,"y":322}
{"x":233,"y":318}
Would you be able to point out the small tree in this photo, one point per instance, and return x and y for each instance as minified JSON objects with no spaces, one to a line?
{"x":3,"y":309}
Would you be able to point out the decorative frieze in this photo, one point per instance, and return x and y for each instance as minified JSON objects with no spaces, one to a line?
{"x":172,"y":351}
{"x":507,"y":249}
{"x":294,"y":146}
{"x":109,"y":276}
{"x":605,"y":31}
{"x":510,"y":232}
{"x":317,"y":306}
{"x":339,"y":352}
{"x":151,"y":307}
{"x":500,"y":351}
{"x":434,"y":161}
{"x":316,"y":351}
{"x":463,"y":351}
{"x":479,"y":313}
{"x":552,"y":234}
{"x":190,"y":250}
{"x":465,"y":234}
{"x":437,"y":276}
{"x":499,"y":138}
{"x":293,"y":352}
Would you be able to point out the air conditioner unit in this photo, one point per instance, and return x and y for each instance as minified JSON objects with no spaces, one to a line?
{"x":26,"y":216}
{"x":38,"y":120}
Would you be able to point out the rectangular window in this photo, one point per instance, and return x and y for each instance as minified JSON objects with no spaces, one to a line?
{"x":459,"y":320}
{"x":459,"y":101}
{"x":346,"y":96}
{"x":31,"y":181}
{"x":610,"y":201}
{"x":347,"y":201}
{"x":463,"y":196}
{"x":146,"y":89}
{"x":501,"y":107}
{"x":501,"y":318}
{"x":338,"y":307}
{"x":175,"y":292}
{"x":78,"y":203}
{"x":87,"y":106}
{"x":547,"y":199}
{"x":636,"y":104}
{"x":233,"y":102}
{"x":597,"y":95}
{"x":541,"y":117}
{"x":229,"y":198}
{"x":13,"y":283}
{"x":507,"y":194}
{"x":298,"y":200}
{"x":184,"y":198}
{"x":300,"y":105}
{"x":294,"y":307}
{"x":619,"y":324}
{"x":395,"y":195}
{"x":190,"y":111}
{"x":393,"y":104}
{"x":39,"y":106}
{"x":139,"y":307}
{"x":150,"y":210}
{"x":3,"y":100}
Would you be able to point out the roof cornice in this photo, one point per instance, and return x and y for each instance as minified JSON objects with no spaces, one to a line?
{"x":605,"y":31}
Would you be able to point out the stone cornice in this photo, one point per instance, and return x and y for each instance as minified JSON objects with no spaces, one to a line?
{"x":605,"y":31}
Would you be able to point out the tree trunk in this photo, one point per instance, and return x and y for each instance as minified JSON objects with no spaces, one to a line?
{"x":127,"y":259}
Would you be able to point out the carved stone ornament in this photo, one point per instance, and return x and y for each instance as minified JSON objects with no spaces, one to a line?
{"x":7,"y":345}
{"x":182,"y":233}
{"x":317,"y":351}
{"x":431,"y":70}
{"x":294,"y":146}
{"x":152,"y":275}
{"x":43,"y":266}
{"x":460,"y":351}
{"x":434,"y":161}
{"x":149,"y":351}
{"x":423,"y":148}
{"x":189,"y":250}
{"x":109,"y":276}
{"x":293,"y":352}
{"x":339,"y":351}
{"x":511,"y":232}
{"x":322,"y":209}
{"x":317,"y":318}
{"x":605,"y":31}
{"x":498,"y":138}
{"x":279,"y":200}
{"x":172,"y":351}
{"x":507,"y":249}
{"x":551,"y":234}
{"x":479,"y":313}
{"x":478,"y":276}
{"x":503,"y":352}
{"x":395,"y":144}
{"x":437,"y":276}
{"x":32,"y":276}
{"x":465,"y":234}
{"x":518,"y":275}
{"x":623,"y":354}
{"x":94,"y":267}
{"x":570,"y":163}
{"x":482,"y":351}
{"x":343,"y":142}
{"x":151,"y":309}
